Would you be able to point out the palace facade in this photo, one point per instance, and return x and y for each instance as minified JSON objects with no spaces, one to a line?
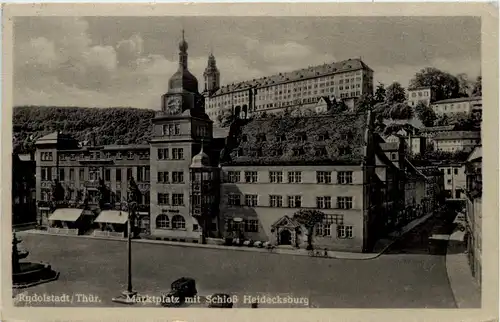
{"x":345,"y":80}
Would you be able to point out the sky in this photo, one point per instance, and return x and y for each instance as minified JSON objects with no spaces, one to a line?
{"x":127,"y":61}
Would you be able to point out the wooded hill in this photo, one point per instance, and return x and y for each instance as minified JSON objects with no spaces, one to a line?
{"x":115,"y":125}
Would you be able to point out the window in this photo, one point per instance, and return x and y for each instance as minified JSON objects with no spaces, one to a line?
{"x":324,"y":202}
{"x":449,"y":181}
{"x":118,"y":175}
{"x":130,"y":155}
{"x":344,"y":177}
{"x":118,"y":156}
{"x":163,"y":154}
{"x":344,"y":232}
{"x":162,"y":222}
{"x":275,"y":176}
{"x":233,"y":176}
{"x":251,"y":225}
{"x":163,"y":199}
{"x":71,"y":174}
{"x":129,"y":174}
{"x":275,"y":201}
{"x":294,"y":176}
{"x":177,"y":177}
{"x":46,"y":156}
{"x":234,"y":199}
{"x":177,"y":199}
{"x":195,"y":227}
{"x":344,"y":202}
{"x":46,"y":174}
{"x":456,"y":171}
{"x":61,"y":174}
{"x":178,"y":222}
{"x":107,"y":174}
{"x":323,"y":229}
{"x":171,"y":129}
{"x":250,"y":176}
{"x":294,"y":201}
{"x":163,"y":177}
{"x":178,"y":154}
{"x":251,"y":200}
{"x":323,"y":177}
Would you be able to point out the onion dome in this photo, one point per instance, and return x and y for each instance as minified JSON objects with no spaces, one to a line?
{"x":183,"y":80}
{"x":201,"y":160}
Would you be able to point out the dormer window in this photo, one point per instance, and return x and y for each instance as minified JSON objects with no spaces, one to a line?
{"x":261,"y":137}
{"x":298,"y":152}
{"x":323,"y":137}
{"x":118,"y":155}
{"x":130,"y":155}
{"x":300,"y":137}
{"x":320,"y":151}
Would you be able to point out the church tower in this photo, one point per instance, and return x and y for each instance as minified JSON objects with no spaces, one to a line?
{"x":179,"y":129}
{"x":211,"y":75}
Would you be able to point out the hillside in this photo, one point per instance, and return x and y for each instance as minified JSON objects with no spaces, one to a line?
{"x":111,"y":125}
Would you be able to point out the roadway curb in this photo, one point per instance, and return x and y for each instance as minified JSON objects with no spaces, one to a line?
{"x":458,"y":275}
{"x":345,"y":256}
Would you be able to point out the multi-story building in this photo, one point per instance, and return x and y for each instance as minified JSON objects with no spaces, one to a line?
{"x":453,"y":141}
{"x":79,"y":170}
{"x":179,"y":131}
{"x":467,"y":105}
{"x":420,"y":95}
{"x":331,"y":164}
{"x":346,"y":80}
{"x":474,"y":211}
{"x":23,"y":189}
{"x":454,"y":180}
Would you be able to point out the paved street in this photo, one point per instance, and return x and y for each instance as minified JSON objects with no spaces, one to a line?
{"x":407,"y":276}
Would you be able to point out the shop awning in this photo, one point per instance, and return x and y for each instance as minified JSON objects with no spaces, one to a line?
{"x":112,"y":217}
{"x":66,"y":214}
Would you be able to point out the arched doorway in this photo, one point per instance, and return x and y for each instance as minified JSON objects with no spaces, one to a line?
{"x":285,"y":237}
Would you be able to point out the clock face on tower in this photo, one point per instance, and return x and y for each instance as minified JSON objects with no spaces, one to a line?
{"x":174,"y":105}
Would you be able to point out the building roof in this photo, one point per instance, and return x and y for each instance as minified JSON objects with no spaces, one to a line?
{"x":336,"y":139}
{"x":305,"y":73}
{"x":476,"y":154}
{"x":418,"y":88}
{"x":458,"y":100}
{"x":438,"y":128}
{"x":457,"y":135}
{"x":220,"y":132}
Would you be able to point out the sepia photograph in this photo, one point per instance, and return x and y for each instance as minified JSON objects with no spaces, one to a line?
{"x":223,"y":161}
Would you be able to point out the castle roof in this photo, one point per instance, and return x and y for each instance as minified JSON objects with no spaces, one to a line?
{"x":323,"y":139}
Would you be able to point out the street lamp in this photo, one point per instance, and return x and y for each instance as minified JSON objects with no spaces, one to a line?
{"x":128,"y":296}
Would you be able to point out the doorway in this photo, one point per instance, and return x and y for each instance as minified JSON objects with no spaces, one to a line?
{"x":285,"y":237}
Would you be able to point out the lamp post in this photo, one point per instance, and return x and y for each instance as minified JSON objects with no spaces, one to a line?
{"x":128,"y":296}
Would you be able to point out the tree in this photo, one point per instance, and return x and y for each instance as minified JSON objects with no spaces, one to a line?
{"x":364,"y":103}
{"x":477,"y":87}
{"x":425,"y":114}
{"x":401,"y":111}
{"x":104,"y":194}
{"x":309,"y":218}
{"x":379,"y":93}
{"x":58,"y":192}
{"x":464,"y":85}
{"x":443,"y":85}
{"x":395,"y":93}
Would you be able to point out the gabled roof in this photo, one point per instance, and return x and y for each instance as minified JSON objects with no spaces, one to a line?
{"x":305,"y":73}
{"x":476,"y":154}
{"x":296,"y":140}
{"x":286,"y":221}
